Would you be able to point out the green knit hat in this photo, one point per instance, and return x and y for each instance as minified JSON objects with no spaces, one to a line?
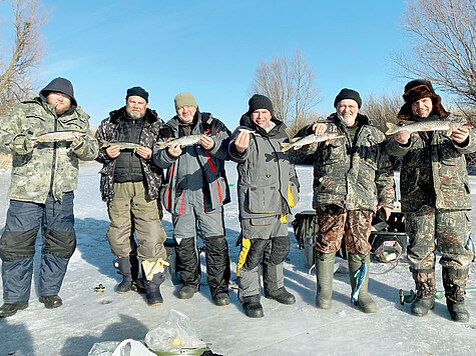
{"x":184,"y":99}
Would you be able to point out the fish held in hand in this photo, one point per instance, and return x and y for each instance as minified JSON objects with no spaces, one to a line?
{"x":182,"y":141}
{"x":426,"y":125}
{"x":298,"y":142}
{"x":57,"y":136}
{"x":122,"y":145}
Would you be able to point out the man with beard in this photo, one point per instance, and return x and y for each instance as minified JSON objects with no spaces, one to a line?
{"x":44,"y":176}
{"x":267,"y":190}
{"x":195,"y":191}
{"x":436,"y":199}
{"x":130,"y":184}
{"x":353,"y":178}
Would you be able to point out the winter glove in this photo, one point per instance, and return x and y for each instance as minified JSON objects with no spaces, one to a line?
{"x":78,"y":145}
{"x":22,"y":144}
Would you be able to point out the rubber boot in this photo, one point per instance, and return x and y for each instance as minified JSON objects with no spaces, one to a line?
{"x":425,"y":284}
{"x":152,"y":289}
{"x":454,"y":281}
{"x":324,"y":277}
{"x":123,"y":265}
{"x":252,"y":306}
{"x":364,"y":302}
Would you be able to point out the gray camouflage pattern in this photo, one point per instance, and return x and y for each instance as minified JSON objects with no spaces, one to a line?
{"x":44,"y":167}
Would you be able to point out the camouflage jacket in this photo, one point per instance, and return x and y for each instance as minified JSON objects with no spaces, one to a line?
{"x":45,"y":167}
{"x":107,"y":131}
{"x":433,"y":171}
{"x":355,"y":176}
{"x":267,"y":181}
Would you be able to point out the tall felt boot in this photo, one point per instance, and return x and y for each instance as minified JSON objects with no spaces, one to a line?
{"x":123,"y":265}
{"x":454,"y":281}
{"x":324,"y":277}
{"x":364,"y":301}
{"x":152,"y":289}
{"x":425,"y":285}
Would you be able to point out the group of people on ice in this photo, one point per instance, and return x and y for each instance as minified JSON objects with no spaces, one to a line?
{"x":179,"y":165}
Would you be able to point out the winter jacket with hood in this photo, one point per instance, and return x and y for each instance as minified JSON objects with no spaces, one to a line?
{"x":108,"y":131}
{"x":434,"y":169}
{"x":267,"y":181}
{"x":355,"y":175}
{"x":196,"y":168}
{"x":45,"y":167}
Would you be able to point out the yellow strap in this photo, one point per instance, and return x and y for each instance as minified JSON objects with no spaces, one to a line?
{"x":245,"y":248}
{"x":284,"y":220}
{"x":290,"y":197}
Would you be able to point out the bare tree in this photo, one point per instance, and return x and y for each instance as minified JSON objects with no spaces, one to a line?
{"x":382,"y":109}
{"x":443,"y":38}
{"x":18,"y":63}
{"x":289,"y":83}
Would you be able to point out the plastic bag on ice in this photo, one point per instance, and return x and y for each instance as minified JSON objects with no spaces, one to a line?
{"x":174,"y":334}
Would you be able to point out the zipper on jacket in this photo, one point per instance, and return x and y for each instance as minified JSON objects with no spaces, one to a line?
{"x":53,"y":166}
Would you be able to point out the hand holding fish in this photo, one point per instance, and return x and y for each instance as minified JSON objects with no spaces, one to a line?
{"x":144,"y":152}
{"x":242,"y":141}
{"x":319,"y":128}
{"x":113,"y":151}
{"x":460,"y":134}
{"x":207,"y":142}
{"x":402,"y":137}
{"x":175,"y":150}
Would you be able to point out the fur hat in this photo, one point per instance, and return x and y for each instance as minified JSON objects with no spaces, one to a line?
{"x":418,"y":89}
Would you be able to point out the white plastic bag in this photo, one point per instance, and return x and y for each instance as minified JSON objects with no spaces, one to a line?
{"x":131,"y":347}
{"x":174,"y":334}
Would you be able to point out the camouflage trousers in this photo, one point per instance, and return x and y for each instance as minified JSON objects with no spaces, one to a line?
{"x":335,"y":221}
{"x":447,"y":231}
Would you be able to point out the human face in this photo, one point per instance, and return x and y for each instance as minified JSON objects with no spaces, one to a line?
{"x":186,"y":113}
{"x":261,"y":117}
{"x":60,"y":101}
{"x":347,"y":109}
{"x":136,"y":106}
{"x":422,"y":107}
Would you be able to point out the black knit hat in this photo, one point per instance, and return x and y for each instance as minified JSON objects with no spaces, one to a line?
{"x":59,"y":85}
{"x":258,"y":101}
{"x":138,"y":91}
{"x":348,"y":94}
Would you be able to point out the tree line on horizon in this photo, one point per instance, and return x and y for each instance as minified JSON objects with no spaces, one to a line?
{"x":442,"y":49}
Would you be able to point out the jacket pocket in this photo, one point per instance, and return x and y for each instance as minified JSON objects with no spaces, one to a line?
{"x":263,"y":200}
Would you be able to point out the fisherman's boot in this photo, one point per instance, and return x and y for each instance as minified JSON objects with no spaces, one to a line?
{"x":324,"y":277}
{"x":454,"y":281}
{"x":123,"y":265}
{"x":425,"y":284}
{"x":273,"y":279}
{"x":252,"y":306}
{"x":152,"y":289}
{"x":137,"y":283}
{"x":364,"y":301}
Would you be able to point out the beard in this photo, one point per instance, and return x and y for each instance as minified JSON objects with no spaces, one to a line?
{"x":348,"y":119}
{"x":135,"y":114}
{"x":61,"y":108}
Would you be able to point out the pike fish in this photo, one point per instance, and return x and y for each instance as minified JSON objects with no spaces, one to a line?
{"x":426,"y":125}
{"x":182,"y":141}
{"x":297,"y":142}
{"x":122,"y":145}
{"x":58,"y":136}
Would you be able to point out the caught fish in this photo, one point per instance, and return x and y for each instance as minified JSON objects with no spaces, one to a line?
{"x":122,"y":145}
{"x":58,"y":136}
{"x":426,"y":125}
{"x":297,"y":142}
{"x":182,"y":141}
{"x":247,"y":131}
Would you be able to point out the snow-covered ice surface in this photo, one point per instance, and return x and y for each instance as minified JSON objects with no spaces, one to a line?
{"x":88,"y":317}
